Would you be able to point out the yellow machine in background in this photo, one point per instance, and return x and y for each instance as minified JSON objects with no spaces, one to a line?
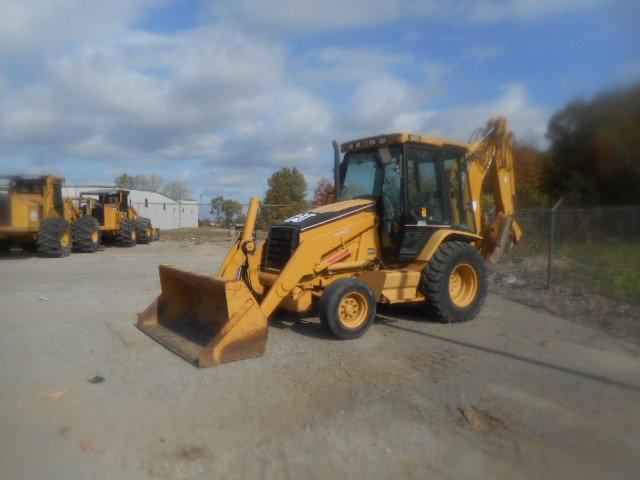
{"x":34,"y":216}
{"x":118,"y":220}
{"x":408,"y":226}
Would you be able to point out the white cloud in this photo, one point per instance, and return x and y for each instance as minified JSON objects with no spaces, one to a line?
{"x":314,"y":16}
{"x":218,"y":105}
{"x":44,"y":25}
{"x":527,"y":120}
{"x":484,"y":53}
{"x":526,"y":10}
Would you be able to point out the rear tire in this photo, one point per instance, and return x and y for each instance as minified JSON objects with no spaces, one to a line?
{"x":347,"y":308}
{"x":30,"y":247}
{"x":126,"y":234}
{"x":143,"y":230}
{"x":5,"y":248}
{"x":86,"y":235}
{"x":455,"y":283}
{"x":54,"y":237}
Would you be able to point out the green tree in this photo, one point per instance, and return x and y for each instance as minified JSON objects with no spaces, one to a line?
{"x":594,"y":158}
{"x":125,"y":181}
{"x":216,"y":206}
{"x":231,"y":209}
{"x":286,"y":196}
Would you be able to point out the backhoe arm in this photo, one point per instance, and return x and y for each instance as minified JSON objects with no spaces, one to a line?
{"x":491,"y":171}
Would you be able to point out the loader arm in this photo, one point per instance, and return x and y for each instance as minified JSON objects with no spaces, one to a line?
{"x":211,"y":320}
{"x":491,"y":171}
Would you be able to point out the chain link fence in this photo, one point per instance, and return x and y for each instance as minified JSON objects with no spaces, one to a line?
{"x":595,"y":250}
{"x":217,"y":228}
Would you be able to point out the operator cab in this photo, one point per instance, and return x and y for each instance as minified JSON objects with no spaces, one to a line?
{"x":95,"y":201}
{"x":421,"y":185}
{"x":33,"y":185}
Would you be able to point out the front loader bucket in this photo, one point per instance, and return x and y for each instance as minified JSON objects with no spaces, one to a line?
{"x":206,"y":320}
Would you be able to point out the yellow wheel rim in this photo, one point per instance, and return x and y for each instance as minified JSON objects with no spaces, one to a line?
{"x":133,"y":235}
{"x":148,"y":232}
{"x":463,"y":285}
{"x":95,"y":236}
{"x":65,"y":238}
{"x":353,"y":310}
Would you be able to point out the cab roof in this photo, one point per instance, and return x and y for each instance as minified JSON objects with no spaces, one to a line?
{"x":109,"y":191}
{"x":396,"y":139}
{"x":32,"y":178}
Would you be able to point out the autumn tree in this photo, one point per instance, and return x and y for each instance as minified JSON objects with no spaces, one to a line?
{"x":530,"y":174}
{"x":324,"y":193}
{"x":286,"y":196}
{"x":594,"y":157}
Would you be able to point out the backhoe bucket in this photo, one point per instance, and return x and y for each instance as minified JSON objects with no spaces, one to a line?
{"x":206,"y":320}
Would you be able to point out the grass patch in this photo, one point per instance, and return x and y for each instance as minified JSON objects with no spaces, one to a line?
{"x":200,"y":234}
{"x":611,"y":269}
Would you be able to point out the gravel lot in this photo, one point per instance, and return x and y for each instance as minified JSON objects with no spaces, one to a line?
{"x":516,"y":393}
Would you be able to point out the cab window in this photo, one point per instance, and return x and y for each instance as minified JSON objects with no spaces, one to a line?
{"x":424,"y":186}
{"x":455,"y":173}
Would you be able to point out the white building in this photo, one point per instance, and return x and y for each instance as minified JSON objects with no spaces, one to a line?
{"x":164,"y":212}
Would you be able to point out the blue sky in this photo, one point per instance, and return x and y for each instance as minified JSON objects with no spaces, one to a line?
{"x":222,"y":93}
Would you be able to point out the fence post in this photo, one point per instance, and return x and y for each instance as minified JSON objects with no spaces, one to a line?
{"x":552,"y":232}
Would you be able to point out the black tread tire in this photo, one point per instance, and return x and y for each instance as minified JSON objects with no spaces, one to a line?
{"x":330,"y":301}
{"x":126,"y":234}
{"x":29,"y":247}
{"x":83,"y":230}
{"x":49,"y":236}
{"x":5,"y":248}
{"x":435,"y":282}
{"x":143,"y":230}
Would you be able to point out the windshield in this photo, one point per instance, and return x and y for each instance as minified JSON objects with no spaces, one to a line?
{"x":362,"y":175}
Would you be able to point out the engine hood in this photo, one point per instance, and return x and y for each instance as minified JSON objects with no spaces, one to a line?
{"x":328,"y":213}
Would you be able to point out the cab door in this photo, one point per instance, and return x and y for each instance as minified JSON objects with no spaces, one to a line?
{"x":425,"y":193}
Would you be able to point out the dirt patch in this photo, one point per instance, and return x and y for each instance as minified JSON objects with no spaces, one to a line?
{"x":484,"y":421}
{"x":90,"y":446}
{"x":189,"y":453}
{"x":614,"y":317}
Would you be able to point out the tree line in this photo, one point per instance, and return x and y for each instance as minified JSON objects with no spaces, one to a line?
{"x":593,"y":156}
{"x":154,"y":183}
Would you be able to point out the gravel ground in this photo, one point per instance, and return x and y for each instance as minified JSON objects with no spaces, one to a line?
{"x":516,"y":393}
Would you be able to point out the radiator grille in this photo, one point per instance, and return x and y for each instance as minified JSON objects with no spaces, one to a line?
{"x":283,"y":241}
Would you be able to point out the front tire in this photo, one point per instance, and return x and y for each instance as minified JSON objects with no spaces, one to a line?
{"x":348,"y":308}
{"x":86,"y":235}
{"x":455,"y":283}
{"x":54,"y":237}
{"x":126,"y":234}
{"x":143,"y":230}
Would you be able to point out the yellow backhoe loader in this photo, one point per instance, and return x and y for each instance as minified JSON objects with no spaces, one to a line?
{"x":118,"y":220}
{"x":407,"y":226}
{"x":35,"y":216}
